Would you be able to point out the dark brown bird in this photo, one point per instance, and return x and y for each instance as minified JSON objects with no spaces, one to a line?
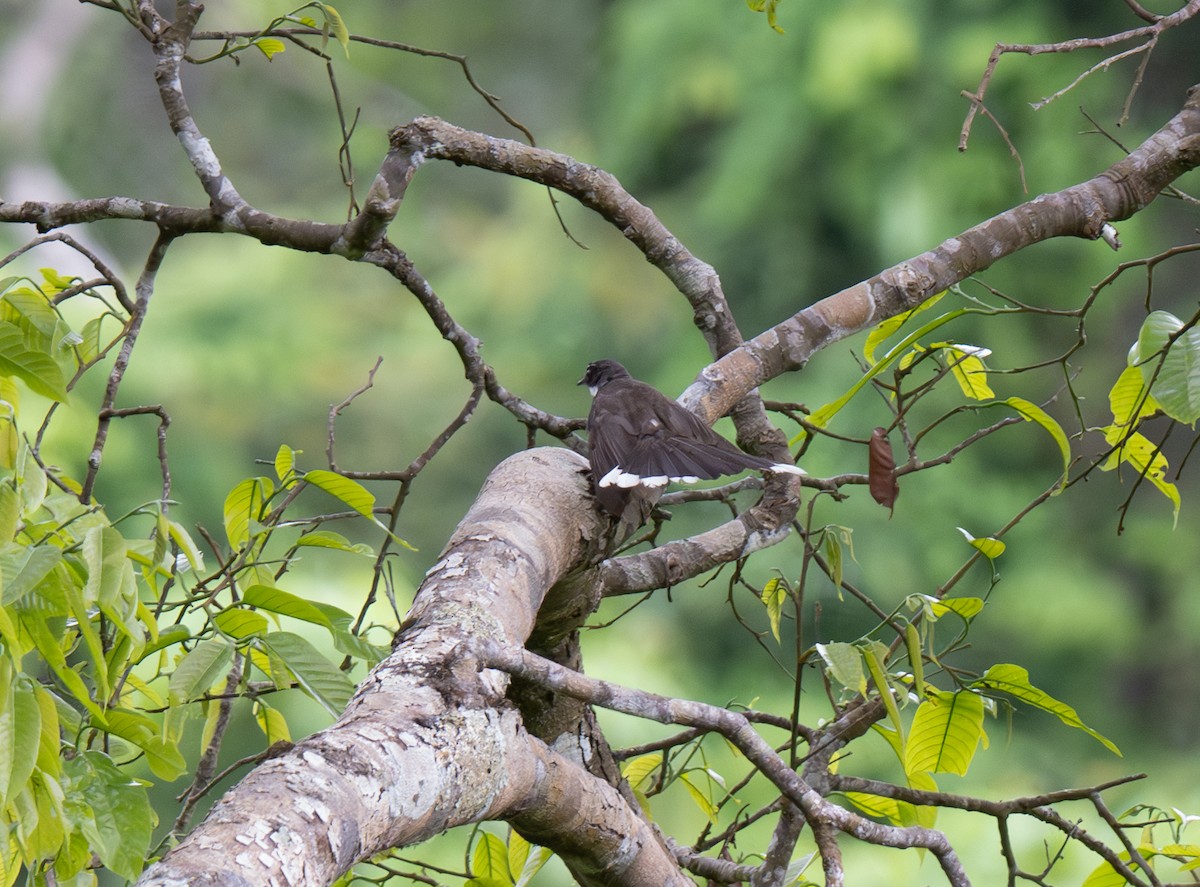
{"x":639,"y":440}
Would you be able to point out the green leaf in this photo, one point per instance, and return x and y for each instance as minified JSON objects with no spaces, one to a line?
{"x":823,"y":415}
{"x":1014,"y":680}
{"x":119,"y":820}
{"x":774,"y":593}
{"x":971,"y":376}
{"x":349,"y":491}
{"x":37,"y":369}
{"x":207,"y":663}
{"x":1168,"y":355}
{"x":1130,"y":399}
{"x":20,"y":732}
{"x":270,"y":46}
{"x":285,"y":465}
{"x":336,"y":541}
{"x":700,"y":797}
{"x":489,"y":862}
{"x":244,"y":505}
{"x":638,"y":771}
{"x":1145,"y":457}
{"x":1031,"y":412}
{"x":186,"y":544}
{"x":272,"y":722}
{"x":23,"y":568}
{"x":316,"y":675}
{"x":945,"y":733}
{"x":353,"y":494}
{"x":239,"y":623}
{"x":987,"y":546}
{"x":885,"y":329}
{"x":336,"y":24}
{"x":845,"y":665}
{"x":286,"y":604}
{"x":165,"y":760}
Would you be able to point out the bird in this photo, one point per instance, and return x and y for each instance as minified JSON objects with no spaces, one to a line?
{"x":639,"y":440}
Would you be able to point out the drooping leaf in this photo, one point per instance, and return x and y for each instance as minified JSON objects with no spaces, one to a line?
{"x":336,"y":541}
{"x":881,"y":469}
{"x":773,"y":595}
{"x":20,"y":732}
{"x":1014,"y":680}
{"x":966,"y":365}
{"x":239,"y":623}
{"x":272,"y":722}
{"x":352,"y":493}
{"x":1031,"y":412}
{"x":1145,"y":457}
{"x":525,"y":859}
{"x":700,"y":797}
{"x":285,"y":465}
{"x":945,"y":733}
{"x":165,"y":760}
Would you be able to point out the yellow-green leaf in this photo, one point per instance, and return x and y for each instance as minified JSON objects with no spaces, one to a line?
{"x":637,"y":771}
{"x":270,"y":46}
{"x":1014,"y":680}
{"x":489,"y":862}
{"x":945,"y":733}
{"x":774,"y":593}
{"x":1031,"y":412}
{"x":243,"y":509}
{"x":987,"y":546}
{"x":700,"y":797}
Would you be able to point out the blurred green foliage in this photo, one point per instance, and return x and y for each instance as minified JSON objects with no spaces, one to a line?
{"x":795,"y":163}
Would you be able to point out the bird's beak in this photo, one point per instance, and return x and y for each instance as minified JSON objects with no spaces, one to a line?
{"x":581,"y":381}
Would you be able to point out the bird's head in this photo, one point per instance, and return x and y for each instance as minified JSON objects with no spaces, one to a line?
{"x":600,"y":373}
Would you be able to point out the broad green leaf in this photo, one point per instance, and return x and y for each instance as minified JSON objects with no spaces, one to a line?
{"x":1129,"y":399}
{"x":208,"y":662}
{"x":272,"y":722}
{"x":700,"y":797}
{"x":1014,"y":680}
{"x":349,"y":491}
{"x":845,"y":665}
{"x":525,"y":859}
{"x":316,"y":675}
{"x":172,"y":634}
{"x":638,"y":771}
{"x":945,"y":733}
{"x":352,"y":493}
{"x":1031,"y":412}
{"x":1173,"y":375}
{"x":774,"y":593}
{"x":276,"y":600}
{"x":1145,"y":458}
{"x":37,"y":369}
{"x":20,"y":732}
{"x":23,"y":568}
{"x":165,"y":760}
{"x":243,"y":507}
{"x":885,"y":329}
{"x":987,"y":546}
{"x":1104,"y":875}
{"x":489,"y":862}
{"x":968,"y":370}
{"x":239,"y":623}
{"x":120,"y":820}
